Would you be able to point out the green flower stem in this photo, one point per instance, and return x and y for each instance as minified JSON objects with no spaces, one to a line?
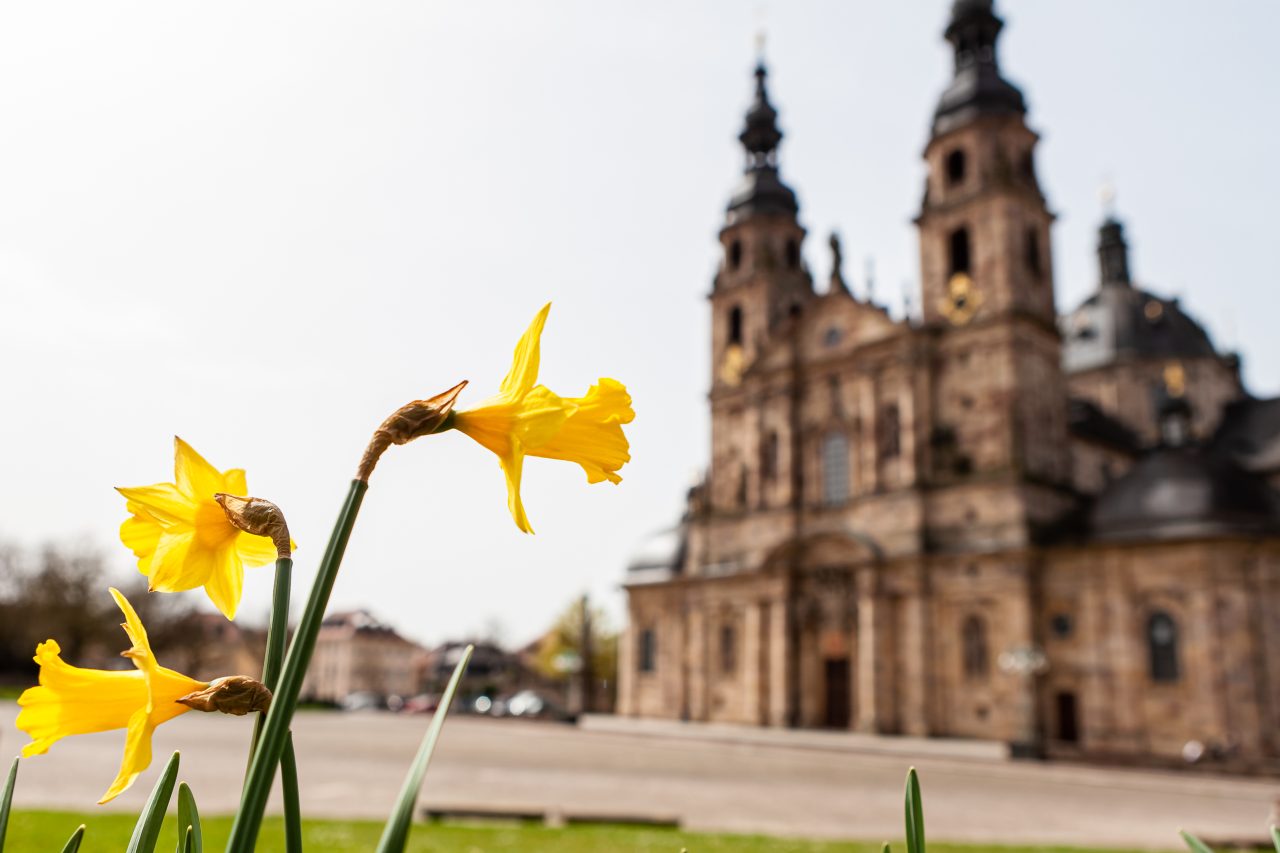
{"x":277,"y":633}
{"x":275,"y":733}
{"x":292,"y":808}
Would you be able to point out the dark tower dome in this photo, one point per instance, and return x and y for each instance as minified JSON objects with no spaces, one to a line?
{"x":761,"y":190}
{"x":977,"y":89}
{"x":1120,"y":321}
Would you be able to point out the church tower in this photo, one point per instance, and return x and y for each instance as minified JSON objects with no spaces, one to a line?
{"x":999,"y":405}
{"x":761,"y":280}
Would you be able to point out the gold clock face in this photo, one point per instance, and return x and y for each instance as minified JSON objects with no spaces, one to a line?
{"x":962,"y":300}
{"x":731,"y":365}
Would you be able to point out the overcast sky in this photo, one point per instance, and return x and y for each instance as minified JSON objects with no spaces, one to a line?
{"x":265,"y":226}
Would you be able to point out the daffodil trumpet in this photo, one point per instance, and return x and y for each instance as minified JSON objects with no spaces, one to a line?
{"x":73,"y":701}
{"x":184,"y":538}
{"x":528,"y":419}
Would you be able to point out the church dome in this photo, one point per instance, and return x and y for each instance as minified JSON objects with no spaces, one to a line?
{"x":659,"y":556}
{"x":1121,"y":321}
{"x":1177,"y":492}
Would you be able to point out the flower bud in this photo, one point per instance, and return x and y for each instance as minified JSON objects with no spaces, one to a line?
{"x":410,"y":421}
{"x":259,"y":517}
{"x":235,"y":694}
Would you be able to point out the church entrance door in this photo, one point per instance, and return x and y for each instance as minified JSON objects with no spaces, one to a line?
{"x":838,"y":693}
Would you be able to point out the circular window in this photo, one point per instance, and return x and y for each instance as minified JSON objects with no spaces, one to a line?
{"x":1061,"y":624}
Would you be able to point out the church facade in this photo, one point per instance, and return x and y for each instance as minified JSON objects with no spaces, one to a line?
{"x":989,"y":521}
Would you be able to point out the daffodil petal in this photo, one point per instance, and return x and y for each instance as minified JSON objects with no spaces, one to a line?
{"x":140,"y":650}
{"x":163,"y":501}
{"x":524,"y":365}
{"x":137,"y":755}
{"x":193,"y":474}
{"x":178,"y":565}
{"x":542,"y":414}
{"x":255,"y":550}
{"x":225,"y":583}
{"x":140,"y":533}
{"x":234,"y":482}
{"x":512,"y":467}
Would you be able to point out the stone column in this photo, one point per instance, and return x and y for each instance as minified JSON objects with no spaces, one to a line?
{"x":809,"y":676}
{"x":870,"y":615}
{"x":699,"y":685}
{"x":626,"y":668}
{"x":779,"y":684}
{"x":913,"y":677}
{"x":753,"y":662}
{"x":868,"y":467}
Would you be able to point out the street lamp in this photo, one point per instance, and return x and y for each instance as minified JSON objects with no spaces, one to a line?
{"x":1026,"y":662}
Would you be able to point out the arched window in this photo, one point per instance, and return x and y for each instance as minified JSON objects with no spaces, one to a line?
{"x":955,"y":167}
{"x":735,"y":326}
{"x":959,"y":245}
{"x":793,"y":255}
{"x":735,"y":254}
{"x":975,"y":647}
{"x":835,"y":469}
{"x":1162,"y":646}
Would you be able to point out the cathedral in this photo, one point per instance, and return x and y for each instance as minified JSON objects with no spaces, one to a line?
{"x":986,"y":521}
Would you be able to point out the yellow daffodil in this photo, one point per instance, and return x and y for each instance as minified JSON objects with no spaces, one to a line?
{"x":74,"y":701}
{"x":182,"y":537}
{"x":525,"y":419}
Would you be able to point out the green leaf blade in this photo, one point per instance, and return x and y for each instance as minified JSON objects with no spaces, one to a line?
{"x":396,"y":833}
{"x":189,"y":837}
{"x":6,"y":799}
{"x":914,"y":814}
{"x":147,"y":831}
{"x":73,"y":843}
{"x":1196,"y":845}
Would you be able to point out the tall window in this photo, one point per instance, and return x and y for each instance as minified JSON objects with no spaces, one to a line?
{"x":1162,"y":646}
{"x":1032,"y":247}
{"x":835,"y":469}
{"x":769,"y":456}
{"x":735,"y":325}
{"x":959,"y":250}
{"x":889,"y":429}
{"x":955,"y":167}
{"x":975,"y":647}
{"x":735,"y":254}
{"x":793,"y":255}
{"x":648,"y":651}
{"x":728,"y":649}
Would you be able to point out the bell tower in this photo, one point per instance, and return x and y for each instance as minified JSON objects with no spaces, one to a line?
{"x":761,"y":280}
{"x":987,"y":281}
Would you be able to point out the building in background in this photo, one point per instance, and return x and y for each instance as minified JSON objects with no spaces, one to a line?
{"x":988,"y":521}
{"x":356,"y":653}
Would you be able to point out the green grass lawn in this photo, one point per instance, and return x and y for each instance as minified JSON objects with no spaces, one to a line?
{"x":109,"y":833}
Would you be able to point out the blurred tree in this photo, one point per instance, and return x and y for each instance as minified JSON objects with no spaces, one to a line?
{"x":560,"y":655}
{"x":60,"y":592}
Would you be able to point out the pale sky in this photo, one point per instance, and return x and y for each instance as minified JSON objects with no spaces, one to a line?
{"x":263,"y":227}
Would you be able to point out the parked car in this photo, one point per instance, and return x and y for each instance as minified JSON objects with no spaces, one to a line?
{"x":363,"y":700}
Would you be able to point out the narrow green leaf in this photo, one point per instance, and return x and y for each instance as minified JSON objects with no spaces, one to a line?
{"x":147,"y":831}
{"x":292,"y":807}
{"x":6,"y":799}
{"x":396,"y":834}
{"x":885,"y":848}
{"x":1196,"y":845}
{"x":266,"y":757}
{"x":188,"y":819}
{"x":73,"y":843}
{"x":914,"y":814}
{"x":1275,"y":837}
